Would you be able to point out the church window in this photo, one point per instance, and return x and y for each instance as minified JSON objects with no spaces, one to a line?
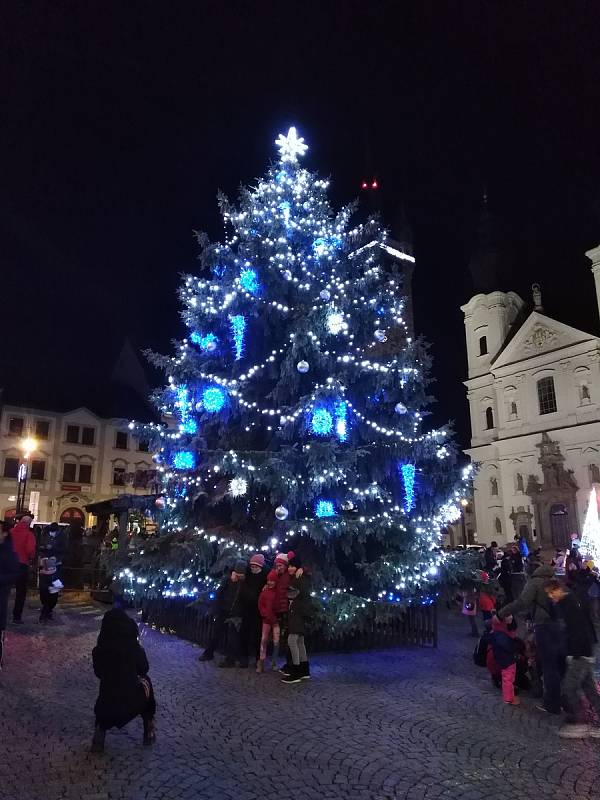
{"x":489,"y":417}
{"x":546,"y":395}
{"x":498,"y":525}
{"x":594,"y":473}
{"x":483,"y":345}
{"x":493,"y":487}
{"x":520,"y":484}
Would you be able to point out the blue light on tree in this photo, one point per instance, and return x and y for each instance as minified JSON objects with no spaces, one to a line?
{"x":213,"y":399}
{"x":249,"y":281}
{"x":341,"y":424}
{"x":325,"y":508}
{"x":285,"y":209}
{"x":408,"y":478}
{"x":189,"y":425}
{"x":208,"y":342}
{"x":320,"y":246}
{"x":238,"y":330}
{"x":184,"y":459}
{"x":321,"y":422}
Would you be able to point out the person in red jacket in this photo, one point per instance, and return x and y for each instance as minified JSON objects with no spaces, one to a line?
{"x":267,"y":603}
{"x":283,"y":581}
{"x":23,"y":542}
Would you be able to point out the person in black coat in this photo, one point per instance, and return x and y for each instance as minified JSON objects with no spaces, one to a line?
{"x":300,"y":606}
{"x":579,"y":680}
{"x":228,"y":614}
{"x":125,"y":689}
{"x":505,"y":578}
{"x":9,"y":572}
{"x":254,"y":583}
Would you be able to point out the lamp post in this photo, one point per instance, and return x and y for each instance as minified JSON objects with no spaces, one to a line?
{"x":28,"y":445}
{"x":463,"y":507}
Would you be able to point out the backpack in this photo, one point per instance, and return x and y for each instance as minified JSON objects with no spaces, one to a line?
{"x":480,"y":652}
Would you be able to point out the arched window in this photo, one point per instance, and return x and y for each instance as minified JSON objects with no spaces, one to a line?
{"x":489,"y":418}
{"x":546,"y":395}
{"x":520,"y":484}
{"x":483,"y":345}
{"x":498,"y":525}
{"x":594,"y":473}
{"x":493,"y":487}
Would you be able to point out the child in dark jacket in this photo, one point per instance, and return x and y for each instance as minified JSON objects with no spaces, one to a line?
{"x":125,"y":689}
{"x":503,"y":648}
{"x":267,"y":607}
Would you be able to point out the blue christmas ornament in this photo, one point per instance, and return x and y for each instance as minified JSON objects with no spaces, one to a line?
{"x":213,"y":399}
{"x":184,"y":459}
{"x":408,"y":478}
{"x":325,"y":508}
{"x":238,"y":330}
{"x":208,"y":342}
{"x":249,"y":281}
{"x":321,"y":422}
{"x":189,"y":426}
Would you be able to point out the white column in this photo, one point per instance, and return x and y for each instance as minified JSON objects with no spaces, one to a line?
{"x":594,"y":257}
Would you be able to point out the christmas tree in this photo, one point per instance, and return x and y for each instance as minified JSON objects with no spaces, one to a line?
{"x":297,"y":401}
{"x":590,"y":538}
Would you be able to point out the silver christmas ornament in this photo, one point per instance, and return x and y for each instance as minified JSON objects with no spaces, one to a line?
{"x":281,"y":513}
{"x":302,"y":366}
{"x":380,"y":335}
{"x":325,"y":295}
{"x":348,"y":505}
{"x":287,"y":275}
{"x":211,"y":346}
{"x":401,"y":408}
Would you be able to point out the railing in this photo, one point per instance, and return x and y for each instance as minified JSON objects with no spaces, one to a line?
{"x":416,"y":625}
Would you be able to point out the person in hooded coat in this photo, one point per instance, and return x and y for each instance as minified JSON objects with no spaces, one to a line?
{"x":126,"y":692}
{"x":549,"y":638}
{"x":9,"y":572}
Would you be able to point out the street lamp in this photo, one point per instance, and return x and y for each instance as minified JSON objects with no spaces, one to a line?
{"x":463,"y":507}
{"x":27,"y":445}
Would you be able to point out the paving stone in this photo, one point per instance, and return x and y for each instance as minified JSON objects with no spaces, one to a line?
{"x":411,"y":723}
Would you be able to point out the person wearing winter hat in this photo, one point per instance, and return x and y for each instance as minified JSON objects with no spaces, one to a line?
{"x":48,"y":597}
{"x":299,"y":609}
{"x":251,"y":622}
{"x":270,"y":624}
{"x":282,"y":603}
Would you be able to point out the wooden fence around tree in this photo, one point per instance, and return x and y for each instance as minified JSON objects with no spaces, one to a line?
{"x":416,"y":625}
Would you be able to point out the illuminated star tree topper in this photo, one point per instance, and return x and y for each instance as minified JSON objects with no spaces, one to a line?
{"x":291,"y":146}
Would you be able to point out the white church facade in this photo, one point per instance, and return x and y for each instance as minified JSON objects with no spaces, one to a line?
{"x":533,"y":389}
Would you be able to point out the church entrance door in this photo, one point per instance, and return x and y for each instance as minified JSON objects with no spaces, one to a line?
{"x":559,"y":525}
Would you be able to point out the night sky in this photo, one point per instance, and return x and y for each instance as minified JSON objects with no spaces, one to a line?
{"x":121,"y":121}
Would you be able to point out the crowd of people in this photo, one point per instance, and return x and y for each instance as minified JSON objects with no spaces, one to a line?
{"x":554,"y":659}
{"x":254,"y":608}
{"x":18,"y":551}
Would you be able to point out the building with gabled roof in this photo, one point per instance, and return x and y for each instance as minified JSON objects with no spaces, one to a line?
{"x":534,"y":397}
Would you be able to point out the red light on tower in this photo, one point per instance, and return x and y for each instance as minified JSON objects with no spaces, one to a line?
{"x":374,"y":185}
{"x":365,"y":185}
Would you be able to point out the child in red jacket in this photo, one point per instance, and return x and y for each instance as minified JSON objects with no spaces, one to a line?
{"x":267,"y":606}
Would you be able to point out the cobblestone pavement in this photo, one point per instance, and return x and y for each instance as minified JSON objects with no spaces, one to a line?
{"x":418,"y":724}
